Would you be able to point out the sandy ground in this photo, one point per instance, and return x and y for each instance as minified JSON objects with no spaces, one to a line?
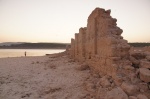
{"x":43,"y":77}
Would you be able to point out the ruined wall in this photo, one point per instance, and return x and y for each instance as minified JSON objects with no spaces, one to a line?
{"x":101,"y":45}
{"x":104,"y":50}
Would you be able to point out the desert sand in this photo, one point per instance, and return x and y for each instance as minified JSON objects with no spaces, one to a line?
{"x":41,"y":77}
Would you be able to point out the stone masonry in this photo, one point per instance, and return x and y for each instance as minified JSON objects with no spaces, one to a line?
{"x":100,"y":45}
{"x":121,"y":72}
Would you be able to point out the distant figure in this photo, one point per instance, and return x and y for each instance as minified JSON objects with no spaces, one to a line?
{"x":25,"y":53}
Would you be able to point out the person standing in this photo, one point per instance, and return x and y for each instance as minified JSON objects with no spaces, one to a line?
{"x":25,"y":53}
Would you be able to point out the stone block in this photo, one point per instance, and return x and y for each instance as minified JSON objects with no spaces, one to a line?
{"x":138,"y":54}
{"x":116,"y":93}
{"x":144,"y":64}
{"x":105,"y":82}
{"x":145,"y":74}
{"x":129,"y":88}
{"x":140,"y":96}
{"x":148,"y":58}
{"x":132,"y":97}
{"x":118,"y":80}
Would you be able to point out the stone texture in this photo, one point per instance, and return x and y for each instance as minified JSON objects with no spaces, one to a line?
{"x":105,"y":82}
{"x":138,"y":54}
{"x":132,"y":97}
{"x":147,"y":48}
{"x":129,"y":88}
{"x":100,"y":44}
{"x":148,"y":58}
{"x":143,"y":86}
{"x":140,"y":96}
{"x":116,"y":93}
{"x":101,"y":47}
{"x":144,"y":64}
{"x":134,"y":61}
{"x":145,"y":74}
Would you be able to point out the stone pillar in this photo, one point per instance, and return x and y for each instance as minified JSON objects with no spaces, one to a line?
{"x":81,"y":44}
{"x":76,"y":46}
{"x":72,"y":50}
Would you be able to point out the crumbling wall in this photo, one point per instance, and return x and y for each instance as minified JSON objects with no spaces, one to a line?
{"x":101,"y":44}
{"x":124,"y":73}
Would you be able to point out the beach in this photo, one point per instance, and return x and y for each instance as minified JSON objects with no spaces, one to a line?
{"x":41,"y":77}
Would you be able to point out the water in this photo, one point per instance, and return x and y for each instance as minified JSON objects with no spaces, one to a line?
{"x":29,"y":52}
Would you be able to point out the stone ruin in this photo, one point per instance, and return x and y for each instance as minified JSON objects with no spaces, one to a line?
{"x":101,"y":46}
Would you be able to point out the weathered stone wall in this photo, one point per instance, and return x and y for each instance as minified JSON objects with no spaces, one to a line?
{"x":101,"y":45}
{"x":126,"y":74}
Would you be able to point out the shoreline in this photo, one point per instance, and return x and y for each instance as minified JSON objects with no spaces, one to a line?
{"x":36,"y":48}
{"x":5,"y":53}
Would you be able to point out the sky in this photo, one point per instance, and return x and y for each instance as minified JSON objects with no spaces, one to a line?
{"x":58,"y":20}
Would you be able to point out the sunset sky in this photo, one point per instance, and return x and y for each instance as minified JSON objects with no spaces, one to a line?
{"x":58,"y":20}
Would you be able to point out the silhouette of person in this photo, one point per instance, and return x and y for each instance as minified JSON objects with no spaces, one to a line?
{"x":25,"y":53}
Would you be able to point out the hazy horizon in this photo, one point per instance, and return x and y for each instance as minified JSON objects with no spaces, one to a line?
{"x":58,"y":42}
{"x":57,"y":21}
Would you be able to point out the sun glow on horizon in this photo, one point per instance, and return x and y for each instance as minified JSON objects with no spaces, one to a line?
{"x":57,"y":21}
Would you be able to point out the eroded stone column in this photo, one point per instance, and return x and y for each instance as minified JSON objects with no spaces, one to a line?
{"x":76,"y":46}
{"x":72,"y":49}
{"x":81,"y":44}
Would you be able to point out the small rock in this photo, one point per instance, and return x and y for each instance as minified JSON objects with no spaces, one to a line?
{"x":129,"y":88}
{"x":134,"y":61}
{"x":134,"y":78}
{"x":105,"y":82}
{"x":138,"y":55}
{"x":116,"y":93}
{"x":101,"y":93}
{"x":128,"y":67}
{"x":118,"y":80}
{"x":96,"y":75}
{"x":141,"y":90}
{"x":83,"y":67}
{"x":148,"y":58}
{"x":144,"y":64}
{"x":137,"y":72}
{"x":143,"y":87}
{"x":132,"y":97}
{"x":145,"y":74}
{"x":90,"y":87}
{"x":140,"y":96}
{"x":112,"y":85}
